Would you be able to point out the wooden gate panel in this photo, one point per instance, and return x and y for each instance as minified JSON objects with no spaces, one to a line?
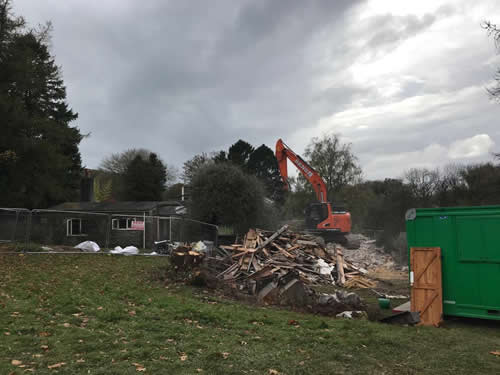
{"x":426,"y":284}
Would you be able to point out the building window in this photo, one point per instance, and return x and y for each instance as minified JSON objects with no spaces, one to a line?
{"x":122,"y":223}
{"x":76,"y":227}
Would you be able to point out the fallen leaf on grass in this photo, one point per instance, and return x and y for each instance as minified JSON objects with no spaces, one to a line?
{"x":44,"y":334}
{"x":6,"y":333}
{"x":131,"y":312}
{"x":183,"y":357}
{"x":56,"y":365}
{"x":81,"y":360}
{"x":273,"y":371}
{"x":225,"y":355}
{"x":139,"y":367}
{"x":293,"y":322}
{"x":67,"y":325}
{"x":100,"y":308}
{"x":497,"y":353}
{"x":16,"y":362}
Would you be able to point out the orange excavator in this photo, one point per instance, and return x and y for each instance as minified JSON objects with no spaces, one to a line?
{"x":321,"y":217}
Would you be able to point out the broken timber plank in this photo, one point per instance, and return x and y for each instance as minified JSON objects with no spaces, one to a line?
{"x":273,"y":237}
{"x":340,"y":265}
{"x":307,"y":243}
{"x":283,"y":251}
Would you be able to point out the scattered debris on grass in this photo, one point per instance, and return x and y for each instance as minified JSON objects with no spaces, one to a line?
{"x":56,"y":365}
{"x":352,"y":314}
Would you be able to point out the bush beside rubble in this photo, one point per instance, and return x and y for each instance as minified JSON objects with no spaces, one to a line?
{"x":224,"y":194}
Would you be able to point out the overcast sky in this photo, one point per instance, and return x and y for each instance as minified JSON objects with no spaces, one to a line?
{"x":403,"y":81}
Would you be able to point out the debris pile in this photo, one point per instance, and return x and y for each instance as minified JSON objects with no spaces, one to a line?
{"x":369,"y":255}
{"x":279,"y":267}
{"x":264,"y":254}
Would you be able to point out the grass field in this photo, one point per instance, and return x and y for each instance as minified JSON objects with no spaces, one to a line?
{"x":87,"y":314}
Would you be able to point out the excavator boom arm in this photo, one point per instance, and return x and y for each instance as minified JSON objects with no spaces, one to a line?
{"x":283,"y":152}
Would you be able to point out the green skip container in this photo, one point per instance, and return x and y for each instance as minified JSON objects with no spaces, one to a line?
{"x":469,"y":238}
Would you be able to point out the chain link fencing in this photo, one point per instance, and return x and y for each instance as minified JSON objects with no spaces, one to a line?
{"x":14,"y":226}
{"x":23,"y":229}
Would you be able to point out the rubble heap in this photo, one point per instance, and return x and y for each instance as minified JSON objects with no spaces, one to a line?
{"x":263,"y":254}
{"x":280,"y":267}
{"x":369,"y":255}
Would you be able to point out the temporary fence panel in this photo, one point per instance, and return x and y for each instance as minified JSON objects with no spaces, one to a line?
{"x":68,"y":228}
{"x":188,"y":230}
{"x":131,"y":230}
{"x":144,"y":231}
{"x":14,"y":224}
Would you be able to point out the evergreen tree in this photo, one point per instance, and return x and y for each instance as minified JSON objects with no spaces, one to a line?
{"x":239,"y":153}
{"x":144,"y":180}
{"x":263,"y":164}
{"x":40,"y":162}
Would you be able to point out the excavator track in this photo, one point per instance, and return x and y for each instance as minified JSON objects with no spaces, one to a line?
{"x":342,"y":239}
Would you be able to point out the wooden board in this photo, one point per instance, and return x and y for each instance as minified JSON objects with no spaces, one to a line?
{"x":426,"y":287}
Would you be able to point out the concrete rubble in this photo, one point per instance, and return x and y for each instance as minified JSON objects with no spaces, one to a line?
{"x":368,"y":255}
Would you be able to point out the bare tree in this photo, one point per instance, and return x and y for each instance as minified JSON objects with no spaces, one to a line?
{"x":494,"y":32}
{"x":494,"y":91}
{"x":193,"y":165}
{"x":423,"y":183}
{"x":451,"y":185}
{"x":334,"y":161}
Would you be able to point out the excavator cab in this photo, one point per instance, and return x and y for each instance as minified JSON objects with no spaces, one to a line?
{"x":316,"y":213}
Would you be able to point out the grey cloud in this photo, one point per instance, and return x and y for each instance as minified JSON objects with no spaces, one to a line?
{"x":184,"y":77}
{"x":383,"y":33}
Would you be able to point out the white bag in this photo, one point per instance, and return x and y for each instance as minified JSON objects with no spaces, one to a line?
{"x":88,"y":246}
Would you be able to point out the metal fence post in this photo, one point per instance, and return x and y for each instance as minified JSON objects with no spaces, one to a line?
{"x":28,"y":229}
{"x":181,"y":231}
{"x":108,"y":231}
{"x":157,"y":228}
{"x":15,"y":228}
